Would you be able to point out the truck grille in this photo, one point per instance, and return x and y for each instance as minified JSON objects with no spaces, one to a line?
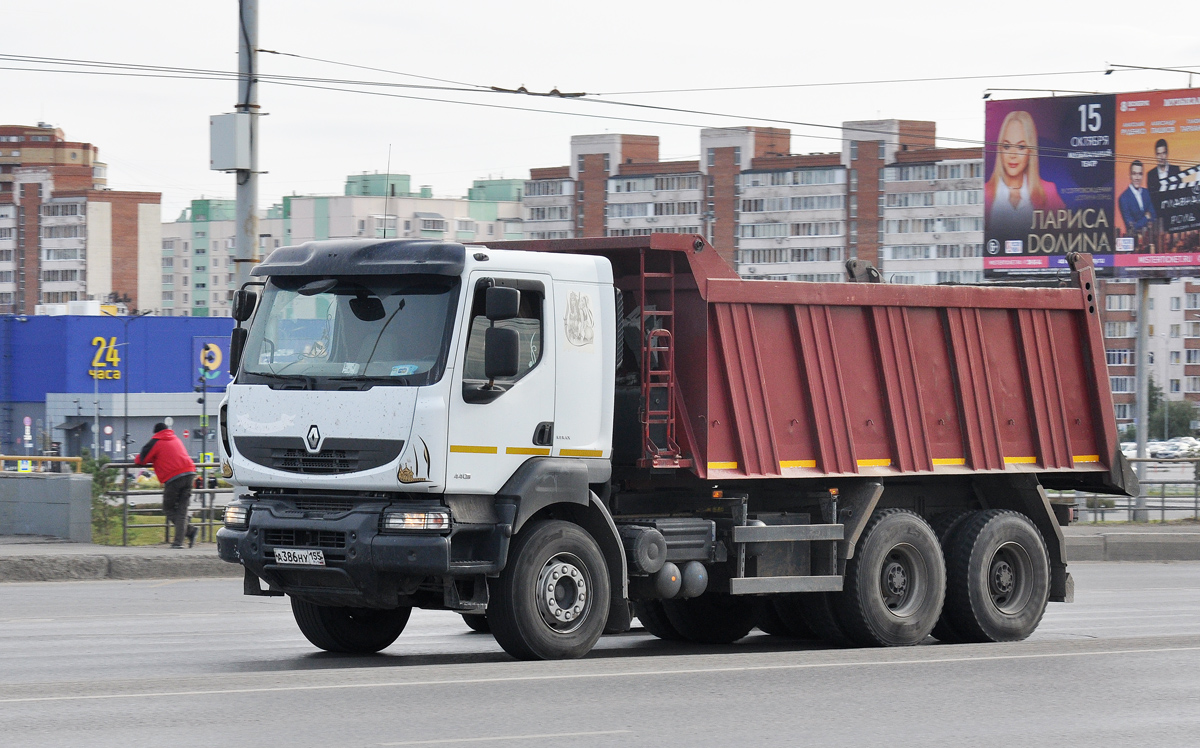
{"x":339,"y":455}
{"x":324,"y":462}
{"x":331,"y":539}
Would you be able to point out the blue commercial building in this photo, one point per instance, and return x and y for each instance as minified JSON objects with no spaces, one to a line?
{"x":63,"y":381}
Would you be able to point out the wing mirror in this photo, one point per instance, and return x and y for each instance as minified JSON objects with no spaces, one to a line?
{"x":502,"y":303}
{"x":243,"y":305}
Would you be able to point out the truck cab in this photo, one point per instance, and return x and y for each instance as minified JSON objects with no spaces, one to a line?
{"x":400,"y":407}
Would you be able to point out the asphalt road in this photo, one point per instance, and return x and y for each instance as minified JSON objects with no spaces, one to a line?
{"x":192,"y":662}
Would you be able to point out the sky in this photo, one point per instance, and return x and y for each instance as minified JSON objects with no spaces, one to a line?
{"x":153,"y":132}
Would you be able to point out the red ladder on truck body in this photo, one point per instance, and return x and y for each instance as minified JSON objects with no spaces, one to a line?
{"x":658,"y":342}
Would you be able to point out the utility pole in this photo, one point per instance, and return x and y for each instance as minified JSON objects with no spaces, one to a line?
{"x":1141,"y":384}
{"x":246,"y":253}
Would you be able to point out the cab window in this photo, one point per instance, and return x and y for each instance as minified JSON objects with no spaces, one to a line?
{"x":528,"y":323}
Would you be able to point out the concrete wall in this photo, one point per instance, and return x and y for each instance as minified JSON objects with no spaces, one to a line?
{"x":46,"y":504}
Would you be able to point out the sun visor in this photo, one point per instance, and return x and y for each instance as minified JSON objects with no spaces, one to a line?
{"x":366,"y":257}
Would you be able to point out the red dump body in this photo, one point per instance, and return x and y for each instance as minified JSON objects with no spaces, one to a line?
{"x":802,"y":380}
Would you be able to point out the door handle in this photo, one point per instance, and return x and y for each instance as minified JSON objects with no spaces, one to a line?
{"x":543,"y":435}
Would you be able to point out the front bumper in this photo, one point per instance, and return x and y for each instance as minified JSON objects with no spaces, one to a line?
{"x":364,"y":568}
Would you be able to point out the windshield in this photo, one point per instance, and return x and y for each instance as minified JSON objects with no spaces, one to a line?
{"x":329,"y":333}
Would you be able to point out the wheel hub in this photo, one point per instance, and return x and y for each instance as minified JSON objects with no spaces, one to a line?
{"x":896,"y":579}
{"x":1003,"y":578}
{"x":562,"y":593}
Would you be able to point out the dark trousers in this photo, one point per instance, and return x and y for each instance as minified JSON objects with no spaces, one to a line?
{"x":177,"y":494}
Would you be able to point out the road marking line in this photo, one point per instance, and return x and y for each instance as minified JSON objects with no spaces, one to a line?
{"x":164,"y":584}
{"x":511,"y":737}
{"x":594,"y":676}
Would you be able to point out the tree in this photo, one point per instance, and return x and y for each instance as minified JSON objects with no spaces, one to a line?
{"x":1178,"y":414}
{"x":1154,"y":399}
{"x":104,"y":479}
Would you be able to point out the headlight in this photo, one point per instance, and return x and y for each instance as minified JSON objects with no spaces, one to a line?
{"x":434,"y":519}
{"x":237,"y":517}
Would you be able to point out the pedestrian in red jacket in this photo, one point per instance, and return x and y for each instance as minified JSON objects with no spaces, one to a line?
{"x":175,"y":471}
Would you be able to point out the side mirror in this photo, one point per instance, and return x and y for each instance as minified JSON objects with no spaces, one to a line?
{"x":501,"y":352}
{"x":237,"y":342}
{"x":502,"y":303}
{"x":243,"y":305}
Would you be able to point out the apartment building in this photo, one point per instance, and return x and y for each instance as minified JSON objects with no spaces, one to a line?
{"x":197,"y":273}
{"x":889,"y":196}
{"x":64,"y":236}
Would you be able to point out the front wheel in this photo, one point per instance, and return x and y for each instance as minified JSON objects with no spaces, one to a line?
{"x":349,"y":630}
{"x":551,"y":601}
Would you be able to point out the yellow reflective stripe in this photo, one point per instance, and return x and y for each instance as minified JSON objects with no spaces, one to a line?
{"x":581,"y":452}
{"x":722,"y":466}
{"x":473,"y":450}
{"x":527,"y":450}
{"x":1086,"y":458}
{"x":797,"y":464}
{"x":949,"y":461}
{"x":1020,"y":460}
{"x":880,"y":462}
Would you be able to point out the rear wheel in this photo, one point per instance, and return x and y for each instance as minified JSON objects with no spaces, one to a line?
{"x":712,"y":618}
{"x":896,"y":582}
{"x":768,"y":619}
{"x":476,"y":622}
{"x":654,"y":620}
{"x":999,"y":577}
{"x":551,"y":601}
{"x":349,"y":630}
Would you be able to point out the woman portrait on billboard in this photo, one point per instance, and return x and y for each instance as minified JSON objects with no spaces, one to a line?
{"x":1016,"y":189}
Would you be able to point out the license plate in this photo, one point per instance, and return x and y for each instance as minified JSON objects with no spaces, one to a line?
{"x":299,"y":558}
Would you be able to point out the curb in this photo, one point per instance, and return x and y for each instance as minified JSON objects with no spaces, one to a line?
{"x":66,"y":568}
{"x":1134,"y":546}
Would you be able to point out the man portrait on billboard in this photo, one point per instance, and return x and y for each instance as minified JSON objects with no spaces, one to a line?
{"x":1163,"y":171}
{"x":1137,"y":207}
{"x":1016,"y":188}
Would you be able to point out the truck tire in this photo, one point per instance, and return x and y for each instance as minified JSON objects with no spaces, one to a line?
{"x":999,"y":577}
{"x":946,"y":526}
{"x":895,"y":584}
{"x":349,"y":630}
{"x":654,"y":620}
{"x":551,"y":601}
{"x":477,"y":622}
{"x":811,"y":615}
{"x":768,"y":619}
{"x":712,"y":618}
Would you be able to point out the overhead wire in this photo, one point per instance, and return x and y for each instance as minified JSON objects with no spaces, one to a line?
{"x":335,"y":84}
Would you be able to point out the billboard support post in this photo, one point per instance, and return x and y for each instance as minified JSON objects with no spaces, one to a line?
{"x":1142,"y":385}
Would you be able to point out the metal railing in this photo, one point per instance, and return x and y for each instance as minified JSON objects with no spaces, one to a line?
{"x":41,"y":461}
{"x":1169,"y":496}
{"x":209,"y":522}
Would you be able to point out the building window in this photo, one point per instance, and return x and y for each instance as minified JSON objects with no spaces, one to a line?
{"x":1118,"y":330}
{"x":581,"y":163}
{"x":1193,"y":355}
{"x":1123,"y":384}
{"x":1175,"y":385}
{"x":854,"y":180}
{"x":737,"y":156}
{"x":1192,"y":331}
{"x":1175,"y":303}
{"x":854,"y":206}
{"x":712,"y":156}
{"x":1175,"y":329}
{"x":1193,"y":301}
{"x":606,"y":162}
{"x":853,"y":150}
{"x":1114,"y":303}
{"x":1193,"y":384}
{"x":1150,"y":358}
{"x":1122,"y":411}
{"x":1175,"y":357}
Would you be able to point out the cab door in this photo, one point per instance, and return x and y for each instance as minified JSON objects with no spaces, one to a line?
{"x":494,"y":429}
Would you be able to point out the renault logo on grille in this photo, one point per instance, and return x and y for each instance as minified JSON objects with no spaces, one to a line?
{"x":313,"y":440}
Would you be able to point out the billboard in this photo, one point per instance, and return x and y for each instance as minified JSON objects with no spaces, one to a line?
{"x":1115,"y":175}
